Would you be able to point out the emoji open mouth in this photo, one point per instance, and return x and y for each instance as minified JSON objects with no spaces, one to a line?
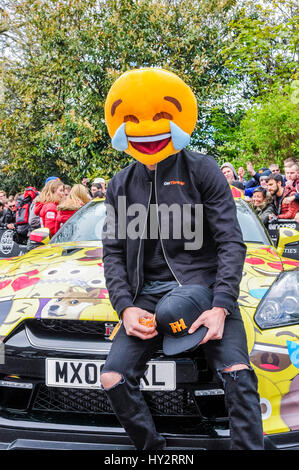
{"x":150,"y":144}
{"x":271,"y":367}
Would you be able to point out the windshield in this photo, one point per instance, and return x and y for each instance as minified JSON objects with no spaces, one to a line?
{"x":252,"y":228}
{"x":87,"y":224}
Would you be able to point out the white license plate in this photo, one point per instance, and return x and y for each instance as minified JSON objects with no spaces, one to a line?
{"x":73,"y":373}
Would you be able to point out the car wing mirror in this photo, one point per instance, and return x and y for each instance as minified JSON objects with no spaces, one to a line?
{"x":286,"y":236}
{"x":40,"y":236}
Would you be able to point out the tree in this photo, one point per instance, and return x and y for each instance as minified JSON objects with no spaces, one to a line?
{"x":269,"y":133}
{"x":263,"y":45}
{"x":52,"y":119}
{"x":262,"y":51}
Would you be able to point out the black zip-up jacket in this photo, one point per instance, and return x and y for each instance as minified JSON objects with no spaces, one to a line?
{"x":185,"y":178}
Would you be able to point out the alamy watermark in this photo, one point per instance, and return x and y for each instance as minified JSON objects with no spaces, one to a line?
{"x":137,"y":221}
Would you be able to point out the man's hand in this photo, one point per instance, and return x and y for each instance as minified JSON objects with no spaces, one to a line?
{"x":133,"y":327}
{"x":250,"y":169}
{"x":214,"y":320}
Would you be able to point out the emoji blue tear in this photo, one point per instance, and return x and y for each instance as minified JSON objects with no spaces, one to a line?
{"x":293,"y":349}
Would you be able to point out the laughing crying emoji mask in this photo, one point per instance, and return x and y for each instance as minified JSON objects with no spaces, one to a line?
{"x":150,"y":114}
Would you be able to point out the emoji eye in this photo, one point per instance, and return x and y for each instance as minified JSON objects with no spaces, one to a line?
{"x":132,"y":118}
{"x":162,"y":115}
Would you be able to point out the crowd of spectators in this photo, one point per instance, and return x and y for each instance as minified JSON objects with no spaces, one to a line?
{"x":272,"y":192}
{"x":50,"y":207}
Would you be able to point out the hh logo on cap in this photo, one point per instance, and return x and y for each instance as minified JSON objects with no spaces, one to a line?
{"x":178,"y":326}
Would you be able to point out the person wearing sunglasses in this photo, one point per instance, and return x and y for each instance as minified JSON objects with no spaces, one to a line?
{"x":9,"y":217}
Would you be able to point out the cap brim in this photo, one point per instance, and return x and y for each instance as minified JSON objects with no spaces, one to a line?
{"x":172,"y":345}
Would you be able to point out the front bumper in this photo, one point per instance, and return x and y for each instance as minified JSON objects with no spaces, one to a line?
{"x":41,"y":436}
{"x":33,"y":415}
{"x":23,"y":435}
{"x":30,"y":420}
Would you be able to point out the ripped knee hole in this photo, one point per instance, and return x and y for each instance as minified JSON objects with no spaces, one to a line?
{"x":235,"y":367}
{"x":110,"y":379}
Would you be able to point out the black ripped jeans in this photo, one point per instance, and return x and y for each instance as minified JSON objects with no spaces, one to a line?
{"x":128,"y":357}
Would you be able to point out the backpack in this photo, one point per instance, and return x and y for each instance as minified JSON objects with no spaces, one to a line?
{"x":23,"y":205}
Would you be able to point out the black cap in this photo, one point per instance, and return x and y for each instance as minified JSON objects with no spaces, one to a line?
{"x":177,"y":311}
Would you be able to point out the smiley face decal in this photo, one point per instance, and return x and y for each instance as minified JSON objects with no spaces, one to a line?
{"x":150,"y":114}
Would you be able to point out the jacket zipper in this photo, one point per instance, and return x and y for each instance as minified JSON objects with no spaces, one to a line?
{"x":139,"y":248}
{"x":162,"y":245}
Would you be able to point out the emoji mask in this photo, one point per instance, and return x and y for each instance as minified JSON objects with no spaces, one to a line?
{"x":150,"y":114}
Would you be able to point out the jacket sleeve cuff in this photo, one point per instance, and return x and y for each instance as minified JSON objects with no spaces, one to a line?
{"x":224,"y":300}
{"x":121,"y":304}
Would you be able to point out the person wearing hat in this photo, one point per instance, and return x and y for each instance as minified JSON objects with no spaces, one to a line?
{"x":51,"y":178}
{"x":167,"y":293}
{"x":255,"y":180}
{"x":229,"y":172}
{"x":98,"y":188}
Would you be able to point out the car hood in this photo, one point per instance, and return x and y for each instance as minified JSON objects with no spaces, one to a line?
{"x":261,"y":268}
{"x":62,"y":281}
{"x":66,"y":281}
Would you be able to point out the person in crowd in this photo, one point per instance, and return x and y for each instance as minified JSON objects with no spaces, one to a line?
{"x":46,"y":203}
{"x":241,"y":173}
{"x":67,"y":190}
{"x":23,"y":205}
{"x":263,"y":183}
{"x":5,"y":202}
{"x":2,"y":195}
{"x":17,"y":196}
{"x":52,"y":178}
{"x":96,"y":190}
{"x":101,"y":187}
{"x":33,"y":220}
{"x":292,"y":180}
{"x":76,"y":199}
{"x":1,"y":211}
{"x":290,"y":161}
{"x":9,"y":218}
{"x":255,"y":175}
{"x":85,"y":182}
{"x":229,"y":172}
{"x":262,"y":203}
{"x":274,"y":168}
{"x":283,"y":210}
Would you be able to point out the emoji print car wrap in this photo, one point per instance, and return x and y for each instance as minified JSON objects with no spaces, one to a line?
{"x":268,"y":348}
{"x":65,"y":281}
{"x":57,"y":282}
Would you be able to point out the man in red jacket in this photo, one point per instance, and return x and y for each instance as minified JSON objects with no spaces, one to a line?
{"x":292,"y":180}
{"x":284,"y":209}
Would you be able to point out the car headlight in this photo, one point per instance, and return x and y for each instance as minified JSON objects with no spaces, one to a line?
{"x":280,"y":305}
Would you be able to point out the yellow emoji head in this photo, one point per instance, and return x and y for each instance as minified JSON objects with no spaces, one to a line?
{"x":150,"y":114}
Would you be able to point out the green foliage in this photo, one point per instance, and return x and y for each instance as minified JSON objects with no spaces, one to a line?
{"x":269,"y":132}
{"x":63,"y":57}
{"x":52,"y":118}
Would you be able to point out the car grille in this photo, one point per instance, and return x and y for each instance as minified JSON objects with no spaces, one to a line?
{"x":69,"y":327}
{"x":178,"y":402}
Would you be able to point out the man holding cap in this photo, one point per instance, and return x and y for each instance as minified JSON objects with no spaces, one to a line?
{"x":167,"y":293}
